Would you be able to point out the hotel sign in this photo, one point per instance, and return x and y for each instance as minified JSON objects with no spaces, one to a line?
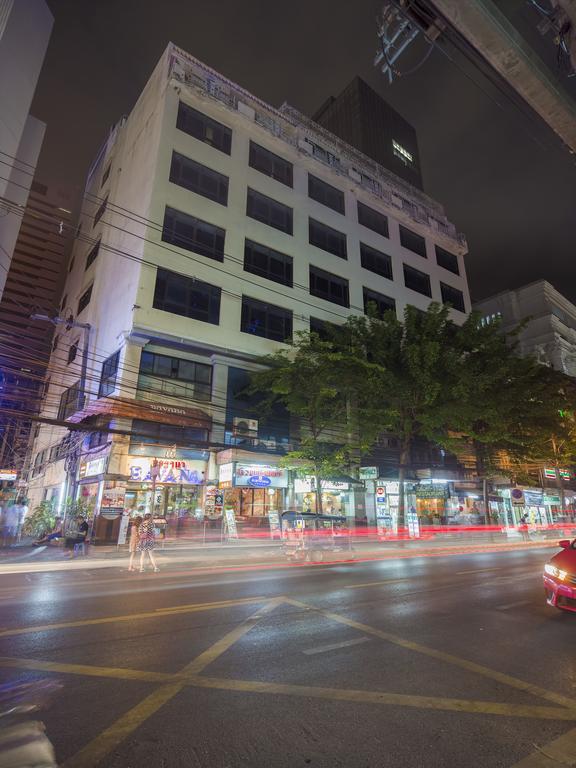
{"x":260,"y":476}
{"x":168,"y":472}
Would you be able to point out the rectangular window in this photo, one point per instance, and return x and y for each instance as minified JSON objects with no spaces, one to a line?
{"x":100,"y":212}
{"x":105,"y":175}
{"x":193,"y":234}
{"x":187,"y":296}
{"x":452,"y":296}
{"x":156,"y":433}
{"x":109,"y":374}
{"x":447,"y":260}
{"x":412,"y":241}
{"x":380,"y":302}
{"x":71,"y":401}
{"x":269,"y":211}
{"x":266,"y":320}
{"x":272,"y":165}
{"x":330,"y":287}
{"x":323,"y":236}
{"x":199,"y":179}
{"x":72,"y":352}
{"x":84,"y":300}
{"x":417,"y":281}
{"x":372,"y":219}
{"x":402,"y":153}
{"x":325,"y":193}
{"x":92,"y":253}
{"x":376,"y":261}
{"x":204,"y":128}
{"x":322,"y":328}
{"x":175,"y":377}
{"x":266,"y":262}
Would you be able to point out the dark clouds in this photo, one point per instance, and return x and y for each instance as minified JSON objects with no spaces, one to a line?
{"x":504,"y":181}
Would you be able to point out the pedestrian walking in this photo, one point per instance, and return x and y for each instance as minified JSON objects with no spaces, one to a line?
{"x":147,"y":541}
{"x":10,"y":523}
{"x":523,"y":527}
{"x":133,"y":540}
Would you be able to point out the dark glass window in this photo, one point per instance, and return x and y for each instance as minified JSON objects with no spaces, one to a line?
{"x":412,"y":241}
{"x":266,"y":262}
{"x":382,"y":303}
{"x":330,"y":287}
{"x":272,"y":165}
{"x":417,"y":281}
{"x":187,"y":296}
{"x":322,"y":328}
{"x":452,"y":296}
{"x":372,"y":219}
{"x":92,"y":253}
{"x":447,"y":260}
{"x":155,"y":432}
{"x":72,"y":352}
{"x":323,"y":236}
{"x":96,"y":440}
{"x":204,"y":128}
{"x":193,"y":234}
{"x":100,"y":212}
{"x":266,"y":320}
{"x":106,"y":174}
{"x":71,"y":401}
{"x":84,"y":300}
{"x":376,"y":261}
{"x":198,"y":178}
{"x":109,"y":374}
{"x":269,"y":211}
{"x":325,"y":193}
{"x":175,"y":377}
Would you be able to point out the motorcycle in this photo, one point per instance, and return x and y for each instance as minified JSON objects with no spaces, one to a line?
{"x":23,"y":741}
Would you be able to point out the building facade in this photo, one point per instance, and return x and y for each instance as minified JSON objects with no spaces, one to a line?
{"x":361,"y":118}
{"x":33,"y":288}
{"x":214,"y":228}
{"x":549,"y":333}
{"x":24,"y":33}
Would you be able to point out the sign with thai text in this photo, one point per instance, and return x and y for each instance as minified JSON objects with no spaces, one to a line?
{"x":244,"y":474}
{"x":308,"y":485}
{"x":93,"y":467}
{"x":169,"y":471}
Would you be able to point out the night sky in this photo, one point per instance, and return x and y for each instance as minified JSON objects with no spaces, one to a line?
{"x":503,"y":178}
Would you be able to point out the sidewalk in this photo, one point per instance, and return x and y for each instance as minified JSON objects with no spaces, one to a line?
{"x":250,"y":554}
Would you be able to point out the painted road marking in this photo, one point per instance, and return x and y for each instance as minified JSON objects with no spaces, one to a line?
{"x":556,"y":754}
{"x":513,"y":605}
{"x":191,"y":675}
{"x":336,"y":646}
{"x":478,"y":570}
{"x":132,"y":616}
{"x":470,"y":666}
{"x":377,"y":583}
{"x":105,"y":742}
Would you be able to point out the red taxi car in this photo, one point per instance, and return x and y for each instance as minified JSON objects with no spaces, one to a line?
{"x":560,"y":577}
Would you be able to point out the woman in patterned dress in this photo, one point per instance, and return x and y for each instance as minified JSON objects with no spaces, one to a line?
{"x":146,"y":541}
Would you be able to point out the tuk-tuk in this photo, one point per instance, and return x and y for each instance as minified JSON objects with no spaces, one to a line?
{"x":309,"y":537}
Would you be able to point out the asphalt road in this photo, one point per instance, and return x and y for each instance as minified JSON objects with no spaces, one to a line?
{"x":425,"y":661}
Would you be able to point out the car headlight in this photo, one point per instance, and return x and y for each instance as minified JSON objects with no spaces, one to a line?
{"x":556,"y":572}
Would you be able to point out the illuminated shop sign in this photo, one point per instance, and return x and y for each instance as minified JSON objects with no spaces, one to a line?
{"x":260,"y":476}
{"x":93,"y":467}
{"x":550,"y":474}
{"x":308,"y":485}
{"x":168,"y":471}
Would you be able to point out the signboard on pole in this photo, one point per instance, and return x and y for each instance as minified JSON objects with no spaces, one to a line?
{"x":231,"y":526}
{"x":274,"y":519}
{"x":123,"y":530}
{"x":368,"y":473}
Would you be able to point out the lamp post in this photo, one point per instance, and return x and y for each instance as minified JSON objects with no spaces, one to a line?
{"x":69,"y":322}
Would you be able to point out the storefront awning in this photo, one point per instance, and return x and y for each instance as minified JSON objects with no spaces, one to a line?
{"x":121,"y":408}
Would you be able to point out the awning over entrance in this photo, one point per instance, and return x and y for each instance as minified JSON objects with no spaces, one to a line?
{"x":121,"y":408}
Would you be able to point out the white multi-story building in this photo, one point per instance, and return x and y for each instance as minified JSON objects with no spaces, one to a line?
{"x":214,"y":228}
{"x":549,"y":330}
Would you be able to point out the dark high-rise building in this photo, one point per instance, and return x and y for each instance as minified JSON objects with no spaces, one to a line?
{"x":363,"y":119}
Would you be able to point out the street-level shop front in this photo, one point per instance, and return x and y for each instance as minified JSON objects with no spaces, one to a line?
{"x":253,"y":490}
{"x":337,"y":496}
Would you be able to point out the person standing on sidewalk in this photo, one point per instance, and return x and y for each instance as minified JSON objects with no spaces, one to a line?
{"x":133,"y":540}
{"x":147,"y":541}
{"x":523,"y":526}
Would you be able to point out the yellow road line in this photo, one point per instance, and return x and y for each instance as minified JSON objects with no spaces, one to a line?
{"x":131,"y":616}
{"x":104,"y":743}
{"x":560,"y":752}
{"x":116,"y":673}
{"x":391,"y":699}
{"x":376,"y":583}
{"x":470,"y":666}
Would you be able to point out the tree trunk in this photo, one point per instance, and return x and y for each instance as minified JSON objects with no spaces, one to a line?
{"x":318,"y":481}
{"x":560,"y":486}
{"x":404,"y":459}
{"x":480,"y":452}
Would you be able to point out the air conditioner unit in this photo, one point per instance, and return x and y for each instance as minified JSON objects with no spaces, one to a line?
{"x":245,"y":427}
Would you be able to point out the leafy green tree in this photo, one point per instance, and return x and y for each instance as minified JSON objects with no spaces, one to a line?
{"x":40,"y":521}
